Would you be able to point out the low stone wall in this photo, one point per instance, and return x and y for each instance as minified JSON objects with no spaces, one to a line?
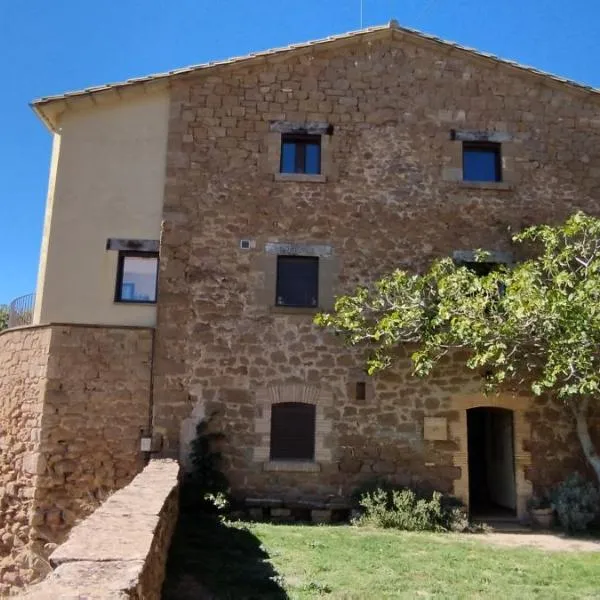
{"x":119,"y":551}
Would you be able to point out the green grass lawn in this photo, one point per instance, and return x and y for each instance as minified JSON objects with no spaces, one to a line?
{"x":278,"y":562}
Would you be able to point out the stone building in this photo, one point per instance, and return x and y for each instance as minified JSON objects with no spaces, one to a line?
{"x":196,"y":221}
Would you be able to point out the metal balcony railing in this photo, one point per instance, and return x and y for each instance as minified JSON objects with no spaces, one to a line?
{"x":20,"y":311}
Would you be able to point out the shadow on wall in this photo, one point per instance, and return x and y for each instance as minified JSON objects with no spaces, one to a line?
{"x":211,"y":561}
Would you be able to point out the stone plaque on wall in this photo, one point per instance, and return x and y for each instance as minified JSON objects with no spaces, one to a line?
{"x":435,"y":429}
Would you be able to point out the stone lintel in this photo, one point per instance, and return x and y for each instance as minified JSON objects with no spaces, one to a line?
{"x":309,"y":127}
{"x":462,"y":135}
{"x":132,"y":245}
{"x":493,"y":256}
{"x":298,"y":249}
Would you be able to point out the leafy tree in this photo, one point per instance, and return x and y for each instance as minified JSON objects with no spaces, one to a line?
{"x":3,"y":316}
{"x":536,"y":322}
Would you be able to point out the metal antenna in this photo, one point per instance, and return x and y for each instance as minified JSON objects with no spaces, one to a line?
{"x":361,"y":14}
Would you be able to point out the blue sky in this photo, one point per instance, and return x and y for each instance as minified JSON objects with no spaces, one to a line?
{"x":51,"y":47}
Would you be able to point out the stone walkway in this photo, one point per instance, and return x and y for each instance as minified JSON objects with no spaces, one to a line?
{"x":552,"y":542}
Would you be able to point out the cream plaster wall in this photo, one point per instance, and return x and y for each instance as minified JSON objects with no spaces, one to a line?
{"x":106,"y":181}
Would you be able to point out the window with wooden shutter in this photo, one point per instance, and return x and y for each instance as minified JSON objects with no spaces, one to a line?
{"x":297,"y":281}
{"x":293,"y":431}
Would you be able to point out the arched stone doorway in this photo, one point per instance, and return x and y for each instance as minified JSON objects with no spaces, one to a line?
{"x":520,"y":431}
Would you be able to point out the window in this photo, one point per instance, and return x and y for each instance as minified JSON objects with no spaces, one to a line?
{"x":361,"y":390}
{"x":297,"y":281}
{"x":482,"y":161}
{"x":293,"y":431}
{"x":136,"y":277}
{"x":481,"y":269}
{"x":300,"y":153}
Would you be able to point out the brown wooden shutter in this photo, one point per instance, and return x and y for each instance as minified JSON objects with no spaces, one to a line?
{"x":293,"y":431}
{"x":297,"y":281}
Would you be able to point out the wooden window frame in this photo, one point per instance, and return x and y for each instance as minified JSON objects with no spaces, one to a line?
{"x":119,"y":279}
{"x":290,"y":258}
{"x":301,"y":140}
{"x":283,"y":453}
{"x":483,"y":146}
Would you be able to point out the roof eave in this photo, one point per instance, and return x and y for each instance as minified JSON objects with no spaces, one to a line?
{"x":254,"y":57}
{"x":38,"y":109}
{"x":51,"y":120}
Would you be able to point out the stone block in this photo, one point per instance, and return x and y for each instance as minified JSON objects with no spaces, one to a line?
{"x":350,"y":465}
{"x":339,"y":504}
{"x":435,"y":429}
{"x":264,"y":502}
{"x":355,"y":514}
{"x":320,"y":516}
{"x":256,"y":514}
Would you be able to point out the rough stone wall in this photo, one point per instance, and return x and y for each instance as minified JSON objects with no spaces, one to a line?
{"x":73,"y":402}
{"x":120,"y":551}
{"x":23,"y":358}
{"x":554,"y":445}
{"x":387,"y":202}
{"x":96,"y":406}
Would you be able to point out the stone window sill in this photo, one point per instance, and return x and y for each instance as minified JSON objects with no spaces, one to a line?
{"x":292,"y":466}
{"x":301,"y":177}
{"x":487,"y":185}
{"x":295,"y":310}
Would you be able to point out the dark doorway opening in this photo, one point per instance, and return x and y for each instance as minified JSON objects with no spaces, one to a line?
{"x":492,"y":489}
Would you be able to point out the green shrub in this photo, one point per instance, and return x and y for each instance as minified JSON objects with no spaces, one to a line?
{"x":405,"y":509}
{"x":374,"y":485}
{"x":576,"y":502}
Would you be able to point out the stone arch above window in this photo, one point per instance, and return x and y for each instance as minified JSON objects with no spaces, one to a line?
{"x":293,"y":393}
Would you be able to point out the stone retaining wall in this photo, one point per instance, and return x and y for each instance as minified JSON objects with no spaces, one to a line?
{"x":73,"y":403}
{"x":96,"y":406}
{"x":23,"y":360}
{"x":120,"y":551}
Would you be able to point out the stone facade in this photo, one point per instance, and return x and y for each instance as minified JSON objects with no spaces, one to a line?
{"x":74,"y":401}
{"x":389,"y":196}
{"x":393,"y":110}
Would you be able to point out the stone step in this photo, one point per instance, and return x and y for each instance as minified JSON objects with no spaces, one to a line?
{"x":505,"y":526}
